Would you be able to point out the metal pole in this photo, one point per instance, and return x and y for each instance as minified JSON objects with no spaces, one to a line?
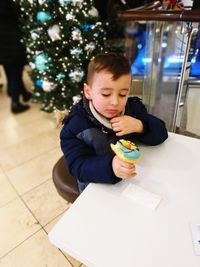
{"x":181,"y":82}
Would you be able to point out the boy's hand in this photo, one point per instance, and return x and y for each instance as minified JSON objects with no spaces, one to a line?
{"x":123,"y":169}
{"x":125,"y":125}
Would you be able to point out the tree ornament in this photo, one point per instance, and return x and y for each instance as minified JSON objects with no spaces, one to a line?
{"x":76,"y":52}
{"x":30,"y":1}
{"x":69,"y":16}
{"x":54,"y":32}
{"x":32,"y":65}
{"x":93,"y":12}
{"x":59,"y":116}
{"x":90,"y":47}
{"x":43,"y":16}
{"x":77,"y":3}
{"x":77,"y":75}
{"x":76,"y":99}
{"x":48,"y":86}
{"x":86,"y":26}
{"x":35,"y":34}
{"x":38,"y":84}
{"x":60,"y":76}
{"x":65,"y":2}
{"x":76,"y":34}
{"x":41,"y":2}
{"x":41,"y":61}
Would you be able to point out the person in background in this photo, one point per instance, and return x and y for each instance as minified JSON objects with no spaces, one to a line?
{"x":103,"y":116}
{"x":1,"y":83}
{"x":13,"y":55}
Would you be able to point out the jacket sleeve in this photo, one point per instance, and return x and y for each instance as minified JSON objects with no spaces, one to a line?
{"x":82,"y":160}
{"x":155,"y":131}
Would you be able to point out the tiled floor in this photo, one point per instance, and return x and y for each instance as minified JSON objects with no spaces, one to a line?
{"x":29,"y":203}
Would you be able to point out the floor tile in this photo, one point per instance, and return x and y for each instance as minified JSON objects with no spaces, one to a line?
{"x":73,"y":261}
{"x":36,"y":251}
{"x":5,"y":103}
{"x":16,"y":224}
{"x":4,"y":99}
{"x":34,"y":172}
{"x":45,"y":203}
{"x":8,"y":193}
{"x":14,"y":120}
{"x":17,"y":134}
{"x":28,"y":149}
{"x":48,"y":227}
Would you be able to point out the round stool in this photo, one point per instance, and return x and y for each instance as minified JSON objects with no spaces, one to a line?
{"x":64,"y":182}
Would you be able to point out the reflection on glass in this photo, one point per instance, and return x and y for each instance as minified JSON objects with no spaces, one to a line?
{"x":157,"y":51}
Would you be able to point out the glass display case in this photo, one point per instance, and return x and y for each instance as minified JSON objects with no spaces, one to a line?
{"x":164,"y":51}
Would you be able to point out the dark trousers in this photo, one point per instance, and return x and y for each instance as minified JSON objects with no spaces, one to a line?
{"x":15,"y":85}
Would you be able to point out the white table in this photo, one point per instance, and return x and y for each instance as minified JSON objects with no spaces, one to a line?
{"x":103,"y":228}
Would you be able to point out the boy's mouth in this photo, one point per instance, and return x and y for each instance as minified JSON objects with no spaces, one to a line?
{"x":112,"y":112}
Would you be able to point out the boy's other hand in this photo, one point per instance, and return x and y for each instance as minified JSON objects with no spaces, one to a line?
{"x":123,"y":170}
{"x":125,"y":125}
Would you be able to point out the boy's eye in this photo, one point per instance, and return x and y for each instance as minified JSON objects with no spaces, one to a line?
{"x":122,"y":95}
{"x":105,"y":95}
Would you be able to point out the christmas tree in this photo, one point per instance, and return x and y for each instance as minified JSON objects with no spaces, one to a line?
{"x":61,"y":36}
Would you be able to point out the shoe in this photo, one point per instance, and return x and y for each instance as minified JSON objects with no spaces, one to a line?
{"x":26,"y":96}
{"x":17,"y":107}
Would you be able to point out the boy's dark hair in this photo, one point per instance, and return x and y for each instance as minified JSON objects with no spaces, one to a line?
{"x":114,"y":63}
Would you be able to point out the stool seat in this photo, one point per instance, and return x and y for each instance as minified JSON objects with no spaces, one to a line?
{"x":64,"y":182}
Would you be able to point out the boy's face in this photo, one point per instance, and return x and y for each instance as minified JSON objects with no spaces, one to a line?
{"x":109,"y":97}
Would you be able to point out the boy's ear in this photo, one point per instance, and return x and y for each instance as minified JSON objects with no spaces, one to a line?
{"x":87,"y":91}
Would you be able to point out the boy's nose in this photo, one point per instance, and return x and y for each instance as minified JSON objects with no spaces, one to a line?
{"x":114,"y":101}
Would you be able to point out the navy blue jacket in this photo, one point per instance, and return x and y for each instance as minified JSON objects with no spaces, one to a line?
{"x":85,"y":141}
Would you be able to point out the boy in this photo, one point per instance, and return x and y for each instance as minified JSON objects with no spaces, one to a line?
{"x":103,"y":116}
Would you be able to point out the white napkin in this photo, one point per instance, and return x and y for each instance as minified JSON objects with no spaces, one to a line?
{"x":142,"y":196}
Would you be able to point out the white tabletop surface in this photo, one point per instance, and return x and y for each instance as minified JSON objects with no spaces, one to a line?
{"x":103,"y":228}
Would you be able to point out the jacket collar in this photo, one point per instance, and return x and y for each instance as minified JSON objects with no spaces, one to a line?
{"x":97,"y":118}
